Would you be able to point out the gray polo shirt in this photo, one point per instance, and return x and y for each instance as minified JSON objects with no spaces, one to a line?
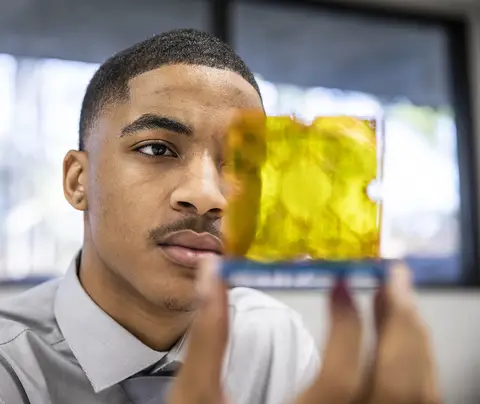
{"x":58,"y":347}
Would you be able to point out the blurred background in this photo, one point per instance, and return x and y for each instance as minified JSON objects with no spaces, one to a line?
{"x":413,"y":63}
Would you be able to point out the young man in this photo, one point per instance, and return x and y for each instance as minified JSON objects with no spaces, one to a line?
{"x":148,"y":179}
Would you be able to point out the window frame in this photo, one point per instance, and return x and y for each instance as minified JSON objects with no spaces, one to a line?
{"x":457,"y":30}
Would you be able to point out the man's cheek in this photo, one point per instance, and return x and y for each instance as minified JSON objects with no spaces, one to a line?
{"x":108,"y":209}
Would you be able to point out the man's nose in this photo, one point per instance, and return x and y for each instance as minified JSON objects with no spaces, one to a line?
{"x":199,"y":191}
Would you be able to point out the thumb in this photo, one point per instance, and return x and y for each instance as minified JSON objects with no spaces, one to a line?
{"x":199,"y":379}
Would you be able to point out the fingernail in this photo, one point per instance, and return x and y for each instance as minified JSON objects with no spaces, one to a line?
{"x":208,"y":271}
{"x":341,"y":294}
{"x":401,"y":278}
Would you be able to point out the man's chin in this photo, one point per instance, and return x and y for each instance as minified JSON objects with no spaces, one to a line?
{"x":172,"y":292}
{"x":170,"y":300}
{"x":180,"y":305}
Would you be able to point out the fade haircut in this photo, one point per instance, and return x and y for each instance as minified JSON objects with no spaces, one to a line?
{"x":183,"y":46}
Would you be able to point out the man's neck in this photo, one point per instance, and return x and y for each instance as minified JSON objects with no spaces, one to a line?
{"x":157,"y":327}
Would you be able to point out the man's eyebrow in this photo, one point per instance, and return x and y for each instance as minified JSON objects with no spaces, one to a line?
{"x":156,"y":122}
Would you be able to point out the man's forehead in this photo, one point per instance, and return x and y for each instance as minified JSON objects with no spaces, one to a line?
{"x":191,"y":83}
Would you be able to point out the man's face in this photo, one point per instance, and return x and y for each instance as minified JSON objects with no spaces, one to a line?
{"x":155,"y":196}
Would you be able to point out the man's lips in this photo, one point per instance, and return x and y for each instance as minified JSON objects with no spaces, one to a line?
{"x":187,"y":248}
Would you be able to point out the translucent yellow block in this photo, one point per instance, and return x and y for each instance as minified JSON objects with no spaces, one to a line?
{"x":296,"y":190}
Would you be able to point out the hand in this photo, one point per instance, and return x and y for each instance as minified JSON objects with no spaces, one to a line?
{"x":401,"y":370}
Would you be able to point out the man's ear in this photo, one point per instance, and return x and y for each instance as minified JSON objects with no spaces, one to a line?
{"x":75,"y":179}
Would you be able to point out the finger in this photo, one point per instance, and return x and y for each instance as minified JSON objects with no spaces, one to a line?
{"x":397,"y":308}
{"x":338,"y":381}
{"x":208,"y":336}
{"x":209,"y":333}
{"x":369,"y":376}
{"x":399,"y":292}
{"x":380,"y":308}
{"x":404,"y":364}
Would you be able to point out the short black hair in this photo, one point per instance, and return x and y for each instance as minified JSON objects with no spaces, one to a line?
{"x":182,"y":46}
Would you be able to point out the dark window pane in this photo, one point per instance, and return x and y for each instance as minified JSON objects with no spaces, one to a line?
{"x":91,"y":30}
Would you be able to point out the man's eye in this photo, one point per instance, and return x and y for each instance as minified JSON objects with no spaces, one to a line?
{"x":157,"y":149}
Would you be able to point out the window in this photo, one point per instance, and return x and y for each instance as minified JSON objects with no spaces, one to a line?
{"x":317,"y":62}
{"x":308,"y":61}
{"x":41,"y":232}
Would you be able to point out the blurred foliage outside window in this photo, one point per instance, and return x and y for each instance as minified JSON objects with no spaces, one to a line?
{"x":41,"y":99}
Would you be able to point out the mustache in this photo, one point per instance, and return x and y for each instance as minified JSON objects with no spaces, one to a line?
{"x":196,"y":224}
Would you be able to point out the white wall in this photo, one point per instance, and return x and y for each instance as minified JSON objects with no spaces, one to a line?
{"x":454,"y":317}
{"x":454,"y":320}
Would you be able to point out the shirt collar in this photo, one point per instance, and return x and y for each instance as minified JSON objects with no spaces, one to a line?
{"x":107,"y":352}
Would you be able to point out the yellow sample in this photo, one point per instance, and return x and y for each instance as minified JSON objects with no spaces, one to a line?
{"x":297,"y":190}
